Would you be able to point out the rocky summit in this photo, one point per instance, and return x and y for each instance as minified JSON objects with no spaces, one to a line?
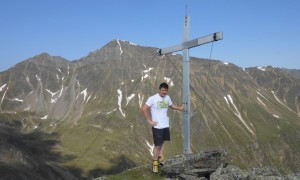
{"x":89,"y":112}
{"x":215,"y":165}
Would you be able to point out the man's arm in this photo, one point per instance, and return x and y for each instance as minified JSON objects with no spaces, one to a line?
{"x":145,"y":110}
{"x":175,"y":107}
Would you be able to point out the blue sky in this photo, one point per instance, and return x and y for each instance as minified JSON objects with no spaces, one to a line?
{"x":256,"y":32}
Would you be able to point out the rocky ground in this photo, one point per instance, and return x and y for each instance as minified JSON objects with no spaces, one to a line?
{"x":215,"y":165}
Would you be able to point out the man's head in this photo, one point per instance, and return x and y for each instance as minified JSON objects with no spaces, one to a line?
{"x":163,"y":89}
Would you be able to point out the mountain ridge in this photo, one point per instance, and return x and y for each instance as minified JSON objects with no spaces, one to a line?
{"x":251,"y":111}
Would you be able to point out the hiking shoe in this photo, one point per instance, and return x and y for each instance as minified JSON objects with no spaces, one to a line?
{"x":155,"y":166}
{"x":160,"y":161}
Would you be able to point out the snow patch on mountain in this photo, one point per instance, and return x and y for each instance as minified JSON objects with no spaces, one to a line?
{"x":261,"y":68}
{"x":280,"y":101}
{"x":261,"y":95}
{"x":3,"y":97}
{"x":121,"y":51}
{"x":111,"y":111}
{"x":259,"y":100}
{"x":141,"y":98}
{"x":145,"y":73}
{"x":88,"y":99}
{"x":53,"y":94}
{"x":169,"y":81}
{"x":53,"y":100}
{"x":129,"y":98}
{"x":148,"y":70}
{"x":275,"y":116}
{"x":238,"y":114}
{"x":226,"y":101}
{"x":84,"y":92}
{"x":45,"y":117}
{"x":27,"y":109}
{"x":150,"y":147}
{"x":3,"y":86}
{"x":38,"y":78}
{"x":16,"y":99}
{"x":226,"y":63}
{"x":120,"y":102}
{"x":28,"y":81}
{"x":127,"y":42}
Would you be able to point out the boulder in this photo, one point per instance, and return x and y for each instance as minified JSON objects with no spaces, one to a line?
{"x":189,"y":166}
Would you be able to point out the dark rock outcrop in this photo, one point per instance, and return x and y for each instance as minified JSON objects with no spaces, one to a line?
{"x":195,"y":165}
{"x":263,"y":173}
{"x":214,"y":165}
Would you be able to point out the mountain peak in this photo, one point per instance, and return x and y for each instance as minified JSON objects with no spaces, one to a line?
{"x":125,"y":42}
{"x":47,"y":56}
{"x":112,"y":50}
{"x":118,"y":43}
{"x":44,"y":54}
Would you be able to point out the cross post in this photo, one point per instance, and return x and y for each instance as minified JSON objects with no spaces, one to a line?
{"x":185,"y":46}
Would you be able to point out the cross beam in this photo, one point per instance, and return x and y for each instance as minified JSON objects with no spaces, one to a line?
{"x":185,"y":46}
{"x":192,"y":43}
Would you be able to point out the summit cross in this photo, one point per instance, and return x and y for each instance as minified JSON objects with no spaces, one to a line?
{"x":185,"y":46}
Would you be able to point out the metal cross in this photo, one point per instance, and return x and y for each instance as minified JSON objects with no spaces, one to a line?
{"x":185,"y":46}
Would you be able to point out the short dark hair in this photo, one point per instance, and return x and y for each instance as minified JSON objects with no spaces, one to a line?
{"x":164,"y":85}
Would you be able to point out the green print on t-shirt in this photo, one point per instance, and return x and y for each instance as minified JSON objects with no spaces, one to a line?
{"x":162,"y":104}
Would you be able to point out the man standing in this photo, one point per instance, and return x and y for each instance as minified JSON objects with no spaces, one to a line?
{"x":159,"y":121}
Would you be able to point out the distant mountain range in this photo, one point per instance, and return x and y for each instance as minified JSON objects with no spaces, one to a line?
{"x":89,"y":112}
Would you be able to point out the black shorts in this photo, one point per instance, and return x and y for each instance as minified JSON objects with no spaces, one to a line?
{"x":160,"y":135}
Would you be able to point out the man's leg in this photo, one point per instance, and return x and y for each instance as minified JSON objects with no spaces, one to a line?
{"x":156,"y":151}
{"x":166,"y":137}
{"x":158,"y":142}
{"x":160,"y":156}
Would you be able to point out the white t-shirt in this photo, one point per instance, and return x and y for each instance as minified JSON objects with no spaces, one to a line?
{"x":159,"y":110}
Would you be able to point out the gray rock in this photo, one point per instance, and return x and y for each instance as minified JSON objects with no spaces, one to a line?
{"x":199,"y":165}
{"x":235,"y":173}
{"x":187,"y":177}
{"x":214,"y":165}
